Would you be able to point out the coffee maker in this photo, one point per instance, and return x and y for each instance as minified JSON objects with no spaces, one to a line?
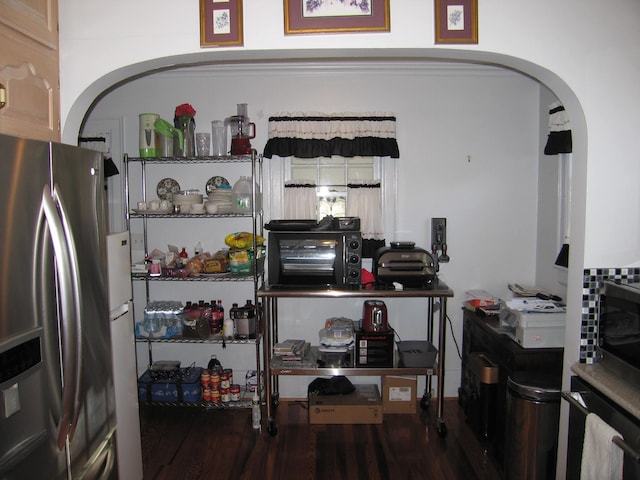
{"x":242,"y":131}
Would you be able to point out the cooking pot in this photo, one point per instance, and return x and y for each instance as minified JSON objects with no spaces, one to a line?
{"x":374,"y":316}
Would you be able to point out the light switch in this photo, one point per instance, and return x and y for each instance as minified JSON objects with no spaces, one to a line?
{"x":11,"y":400}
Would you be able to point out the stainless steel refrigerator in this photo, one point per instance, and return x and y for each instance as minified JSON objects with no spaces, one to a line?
{"x":57,"y":414}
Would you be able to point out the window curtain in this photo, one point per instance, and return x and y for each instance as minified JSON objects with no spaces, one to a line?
{"x":306,"y":135}
{"x":365,"y":202}
{"x":559,"y":139}
{"x":300,"y":200}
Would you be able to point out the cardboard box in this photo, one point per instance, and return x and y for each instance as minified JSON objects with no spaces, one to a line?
{"x":364,"y":405}
{"x":399,"y":394}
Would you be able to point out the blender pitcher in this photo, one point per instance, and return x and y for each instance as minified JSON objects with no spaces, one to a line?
{"x":242,"y":130}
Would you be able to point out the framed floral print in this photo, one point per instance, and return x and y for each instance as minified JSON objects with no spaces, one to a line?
{"x":456,"y":21}
{"x":337,"y":16}
{"x":221,"y":23}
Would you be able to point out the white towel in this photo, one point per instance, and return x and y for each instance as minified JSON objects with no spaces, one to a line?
{"x":601,"y":458}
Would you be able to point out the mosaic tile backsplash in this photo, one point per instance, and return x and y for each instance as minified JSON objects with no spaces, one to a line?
{"x":591,"y":285}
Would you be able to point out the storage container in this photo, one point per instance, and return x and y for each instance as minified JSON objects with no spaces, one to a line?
{"x":183,"y":387}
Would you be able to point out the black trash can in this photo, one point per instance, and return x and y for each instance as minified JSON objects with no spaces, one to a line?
{"x":531,"y":437}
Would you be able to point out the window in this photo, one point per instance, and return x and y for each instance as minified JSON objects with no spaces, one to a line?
{"x":331,"y":177}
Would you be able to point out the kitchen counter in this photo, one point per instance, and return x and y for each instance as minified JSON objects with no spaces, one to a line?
{"x":621,"y":391}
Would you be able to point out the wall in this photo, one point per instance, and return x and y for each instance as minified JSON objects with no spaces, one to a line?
{"x":478,"y":170}
{"x":583,"y":51}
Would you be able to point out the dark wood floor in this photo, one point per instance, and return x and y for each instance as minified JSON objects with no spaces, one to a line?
{"x":192,"y":444}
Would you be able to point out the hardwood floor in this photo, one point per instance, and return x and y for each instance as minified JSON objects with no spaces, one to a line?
{"x":192,"y":444}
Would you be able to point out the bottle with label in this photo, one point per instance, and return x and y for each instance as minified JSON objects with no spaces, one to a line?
{"x":216,"y":323}
{"x":256,"y":413}
{"x":207,"y":315}
{"x":229,"y":323}
{"x":229,"y":329}
{"x":214,"y":364}
{"x":242,"y":195}
{"x":246,"y":321}
{"x":184,"y":256}
{"x":219,"y":315}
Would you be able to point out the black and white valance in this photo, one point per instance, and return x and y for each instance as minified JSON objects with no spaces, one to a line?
{"x":306,"y":135}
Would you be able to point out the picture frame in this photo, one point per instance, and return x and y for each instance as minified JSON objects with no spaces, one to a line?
{"x":456,"y":21}
{"x":311,"y":17}
{"x":221,"y":23}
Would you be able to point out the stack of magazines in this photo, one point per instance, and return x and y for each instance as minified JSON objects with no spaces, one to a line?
{"x":291,"y":349}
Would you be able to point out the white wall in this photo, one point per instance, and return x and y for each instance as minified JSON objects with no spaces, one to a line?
{"x":585,"y":52}
{"x":578,"y":59}
{"x":478,"y":169}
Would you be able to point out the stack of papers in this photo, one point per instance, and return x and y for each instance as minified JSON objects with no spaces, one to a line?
{"x":291,"y":349}
{"x":535,"y":305}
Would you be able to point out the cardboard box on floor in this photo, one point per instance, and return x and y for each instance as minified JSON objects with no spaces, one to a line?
{"x":399,"y":394}
{"x":364,"y":405}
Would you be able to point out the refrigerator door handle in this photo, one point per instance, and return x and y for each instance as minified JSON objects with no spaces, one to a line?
{"x":68,"y":309}
{"x":78,"y":310}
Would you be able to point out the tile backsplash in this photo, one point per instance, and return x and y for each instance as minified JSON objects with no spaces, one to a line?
{"x":591,"y":285}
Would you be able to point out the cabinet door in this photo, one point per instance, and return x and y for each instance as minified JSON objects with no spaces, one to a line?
{"x":29,"y":77}
{"x":37,"y":19}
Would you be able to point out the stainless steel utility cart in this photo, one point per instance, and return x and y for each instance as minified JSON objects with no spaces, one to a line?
{"x":436,"y":295}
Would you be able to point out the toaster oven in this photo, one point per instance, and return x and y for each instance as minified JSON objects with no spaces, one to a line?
{"x":314,"y":258}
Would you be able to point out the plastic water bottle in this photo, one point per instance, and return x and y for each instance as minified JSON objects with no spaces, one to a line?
{"x":242,"y":195}
{"x":256,"y":413}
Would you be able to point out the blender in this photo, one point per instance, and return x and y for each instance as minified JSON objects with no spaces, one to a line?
{"x":242,"y":131}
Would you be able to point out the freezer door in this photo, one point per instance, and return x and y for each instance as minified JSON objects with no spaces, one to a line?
{"x":126,"y":388}
{"x":30,"y":390}
{"x":77,"y":186}
{"x":119,"y":271}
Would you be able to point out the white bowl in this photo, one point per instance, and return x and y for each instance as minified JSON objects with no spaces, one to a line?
{"x":186,"y":198}
{"x":211,"y":207}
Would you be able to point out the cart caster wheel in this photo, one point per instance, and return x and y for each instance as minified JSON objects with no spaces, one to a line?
{"x":441,"y":428}
{"x":272,"y":429}
{"x":425,"y":403}
{"x":275,"y":403}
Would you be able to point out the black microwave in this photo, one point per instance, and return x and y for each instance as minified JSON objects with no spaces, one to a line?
{"x":619,"y":326}
{"x":314,"y":258}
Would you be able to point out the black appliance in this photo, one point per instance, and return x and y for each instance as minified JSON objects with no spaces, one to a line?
{"x":585,"y":399}
{"x":314,"y":258}
{"x":404,"y":263}
{"x":619,"y":327}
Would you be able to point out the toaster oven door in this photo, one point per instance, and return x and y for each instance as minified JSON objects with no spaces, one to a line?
{"x":308,"y":261}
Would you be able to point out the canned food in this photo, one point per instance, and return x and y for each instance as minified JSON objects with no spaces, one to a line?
{"x":225,"y":395}
{"x":224,"y":381}
{"x":229,"y":373}
{"x":234,"y":392}
{"x":215,"y":396}
{"x":205,"y":378}
{"x":206,"y":395}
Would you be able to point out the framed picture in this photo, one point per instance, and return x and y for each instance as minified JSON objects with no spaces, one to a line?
{"x":456,"y":21}
{"x":337,"y":16}
{"x":221,"y":23}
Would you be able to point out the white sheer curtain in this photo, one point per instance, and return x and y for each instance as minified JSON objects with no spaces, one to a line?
{"x":300,"y":200}
{"x":365,"y":202}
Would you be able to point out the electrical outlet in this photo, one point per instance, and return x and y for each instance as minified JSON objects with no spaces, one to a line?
{"x":137,"y":241}
{"x":438,"y":232}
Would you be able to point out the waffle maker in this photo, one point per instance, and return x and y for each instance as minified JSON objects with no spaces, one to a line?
{"x":404,"y":263}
